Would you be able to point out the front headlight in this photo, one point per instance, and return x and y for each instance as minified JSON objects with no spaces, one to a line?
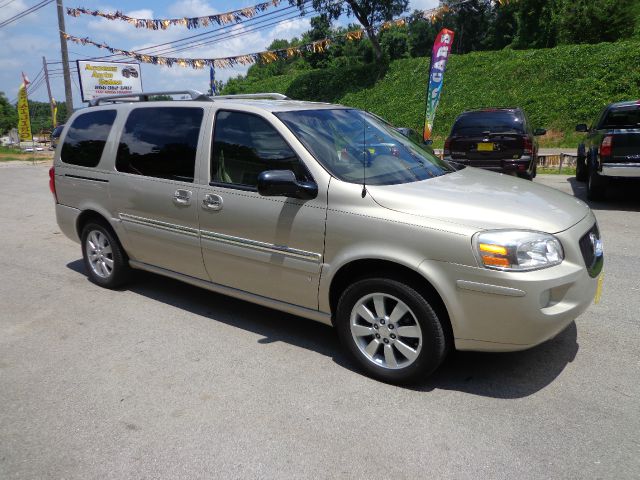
{"x":517,"y":250}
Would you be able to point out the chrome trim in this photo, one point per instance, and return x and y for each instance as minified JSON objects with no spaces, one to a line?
{"x":316,"y":315}
{"x":631,"y":170}
{"x":488,"y":288}
{"x":227,"y":239}
{"x":261,"y":246}
{"x":169,"y":227}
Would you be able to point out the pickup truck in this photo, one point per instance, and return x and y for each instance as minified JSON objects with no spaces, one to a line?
{"x":611,"y":149}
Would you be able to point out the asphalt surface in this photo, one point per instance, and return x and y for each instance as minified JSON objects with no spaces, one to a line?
{"x":163,"y":380}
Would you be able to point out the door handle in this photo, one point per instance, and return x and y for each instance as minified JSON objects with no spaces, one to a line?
{"x":212,"y":202}
{"x":182,"y":197}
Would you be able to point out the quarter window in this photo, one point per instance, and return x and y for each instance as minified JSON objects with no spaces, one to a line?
{"x":160,"y":142}
{"x":245,"y":145}
{"x":85,"y":140}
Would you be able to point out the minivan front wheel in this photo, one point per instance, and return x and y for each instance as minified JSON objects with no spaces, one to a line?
{"x":391,"y":330}
{"x":104,"y":259}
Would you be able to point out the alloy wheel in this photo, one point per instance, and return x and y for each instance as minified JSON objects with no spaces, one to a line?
{"x":386,"y":331}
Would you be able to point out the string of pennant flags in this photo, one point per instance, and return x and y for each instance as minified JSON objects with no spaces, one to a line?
{"x":267,"y":56}
{"x":189,"y":22}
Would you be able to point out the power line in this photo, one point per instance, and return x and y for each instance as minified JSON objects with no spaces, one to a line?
{"x":24,"y":13}
{"x":5,"y":4}
{"x":183,"y":42}
{"x":216,"y":32}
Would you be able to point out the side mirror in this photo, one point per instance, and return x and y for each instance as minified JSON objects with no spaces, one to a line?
{"x":283,"y":183}
{"x":582,"y":127}
{"x":539,"y":131}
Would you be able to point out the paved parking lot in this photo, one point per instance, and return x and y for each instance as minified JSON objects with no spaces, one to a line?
{"x":163,"y":380}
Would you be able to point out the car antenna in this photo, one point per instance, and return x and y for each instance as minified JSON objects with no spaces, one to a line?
{"x":364,"y":158}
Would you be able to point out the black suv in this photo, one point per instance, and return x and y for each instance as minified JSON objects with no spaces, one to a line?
{"x":498,"y":139}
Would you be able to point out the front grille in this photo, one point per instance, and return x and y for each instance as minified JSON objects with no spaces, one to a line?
{"x":592,"y":261}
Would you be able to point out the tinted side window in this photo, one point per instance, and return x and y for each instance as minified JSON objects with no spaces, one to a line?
{"x":160,"y":142}
{"x":86,"y":138}
{"x":245,"y":145}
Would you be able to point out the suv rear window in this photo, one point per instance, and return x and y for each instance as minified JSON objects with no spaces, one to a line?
{"x":86,"y":138}
{"x":624,"y":117}
{"x":477,"y":123}
{"x":160,"y":142}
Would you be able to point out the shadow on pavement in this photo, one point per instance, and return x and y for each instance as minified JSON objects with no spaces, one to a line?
{"x":622,"y":195}
{"x":498,"y":375}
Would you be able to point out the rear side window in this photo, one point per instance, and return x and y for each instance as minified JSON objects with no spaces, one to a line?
{"x":245,"y":145}
{"x":478,"y":123}
{"x":86,"y":138}
{"x":624,"y":117}
{"x":160,"y":142}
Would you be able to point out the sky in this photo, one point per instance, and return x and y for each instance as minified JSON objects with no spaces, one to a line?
{"x":24,"y":42}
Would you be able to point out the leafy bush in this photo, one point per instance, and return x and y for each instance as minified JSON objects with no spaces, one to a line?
{"x":557,"y":87}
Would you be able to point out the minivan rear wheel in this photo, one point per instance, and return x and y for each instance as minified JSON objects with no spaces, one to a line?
{"x":105,"y":260}
{"x":390,"y":330}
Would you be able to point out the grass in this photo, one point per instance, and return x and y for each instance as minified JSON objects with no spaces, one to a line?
{"x":12,"y":151}
{"x":556,"y":171}
{"x":558,"y":87}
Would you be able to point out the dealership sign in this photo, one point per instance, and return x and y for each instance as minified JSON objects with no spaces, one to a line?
{"x":98,"y":79}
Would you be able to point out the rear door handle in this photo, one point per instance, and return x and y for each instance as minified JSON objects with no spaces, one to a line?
{"x":212,"y":202}
{"x":182,"y":197}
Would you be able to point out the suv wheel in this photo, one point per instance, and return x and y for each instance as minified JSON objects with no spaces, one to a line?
{"x":581,"y":169}
{"x":105,"y":260}
{"x":596,"y":185}
{"x":391,"y":330}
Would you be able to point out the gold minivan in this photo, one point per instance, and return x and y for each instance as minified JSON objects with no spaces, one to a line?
{"x":329,"y":213}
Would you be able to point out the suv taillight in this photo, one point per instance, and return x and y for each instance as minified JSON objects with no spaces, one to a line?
{"x":606,"y":146}
{"x":447,"y":146}
{"x":52,"y":183}
{"x":528,"y":146}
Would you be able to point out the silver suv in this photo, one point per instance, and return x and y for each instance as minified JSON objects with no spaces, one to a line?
{"x":328,"y":213}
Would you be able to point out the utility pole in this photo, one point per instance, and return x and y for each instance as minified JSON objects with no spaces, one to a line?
{"x":46,"y":79}
{"x":65,"y":60}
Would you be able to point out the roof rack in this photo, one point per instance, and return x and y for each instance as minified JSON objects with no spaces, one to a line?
{"x":271,"y":96}
{"x":145,"y":97}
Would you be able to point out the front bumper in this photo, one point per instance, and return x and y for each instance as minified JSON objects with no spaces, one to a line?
{"x":626,"y":170}
{"x":508,"y":311}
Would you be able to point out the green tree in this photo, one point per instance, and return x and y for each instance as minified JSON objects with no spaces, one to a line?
{"x":395,"y":42}
{"x":594,"y":21}
{"x":8,"y":115}
{"x":536,"y":21}
{"x":369,"y":13}
{"x":421,"y":34}
{"x":502,"y":26}
{"x":470,"y":21}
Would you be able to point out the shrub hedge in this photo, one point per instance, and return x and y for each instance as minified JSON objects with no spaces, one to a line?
{"x":557,"y":87}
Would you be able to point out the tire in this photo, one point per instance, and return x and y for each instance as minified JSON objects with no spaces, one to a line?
{"x":596,"y":185}
{"x":106,"y":262}
{"x":390,"y":330}
{"x":581,"y":169}
{"x":527,"y":175}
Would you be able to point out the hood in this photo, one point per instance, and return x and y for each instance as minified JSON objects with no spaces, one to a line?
{"x":484,"y":200}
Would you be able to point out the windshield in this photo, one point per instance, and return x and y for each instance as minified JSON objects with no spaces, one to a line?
{"x":353,"y":144}
{"x":479,"y":123}
{"x":625,"y":117}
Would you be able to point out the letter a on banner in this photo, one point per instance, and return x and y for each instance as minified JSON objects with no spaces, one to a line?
{"x":439,"y":57}
{"x":24,"y":123}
